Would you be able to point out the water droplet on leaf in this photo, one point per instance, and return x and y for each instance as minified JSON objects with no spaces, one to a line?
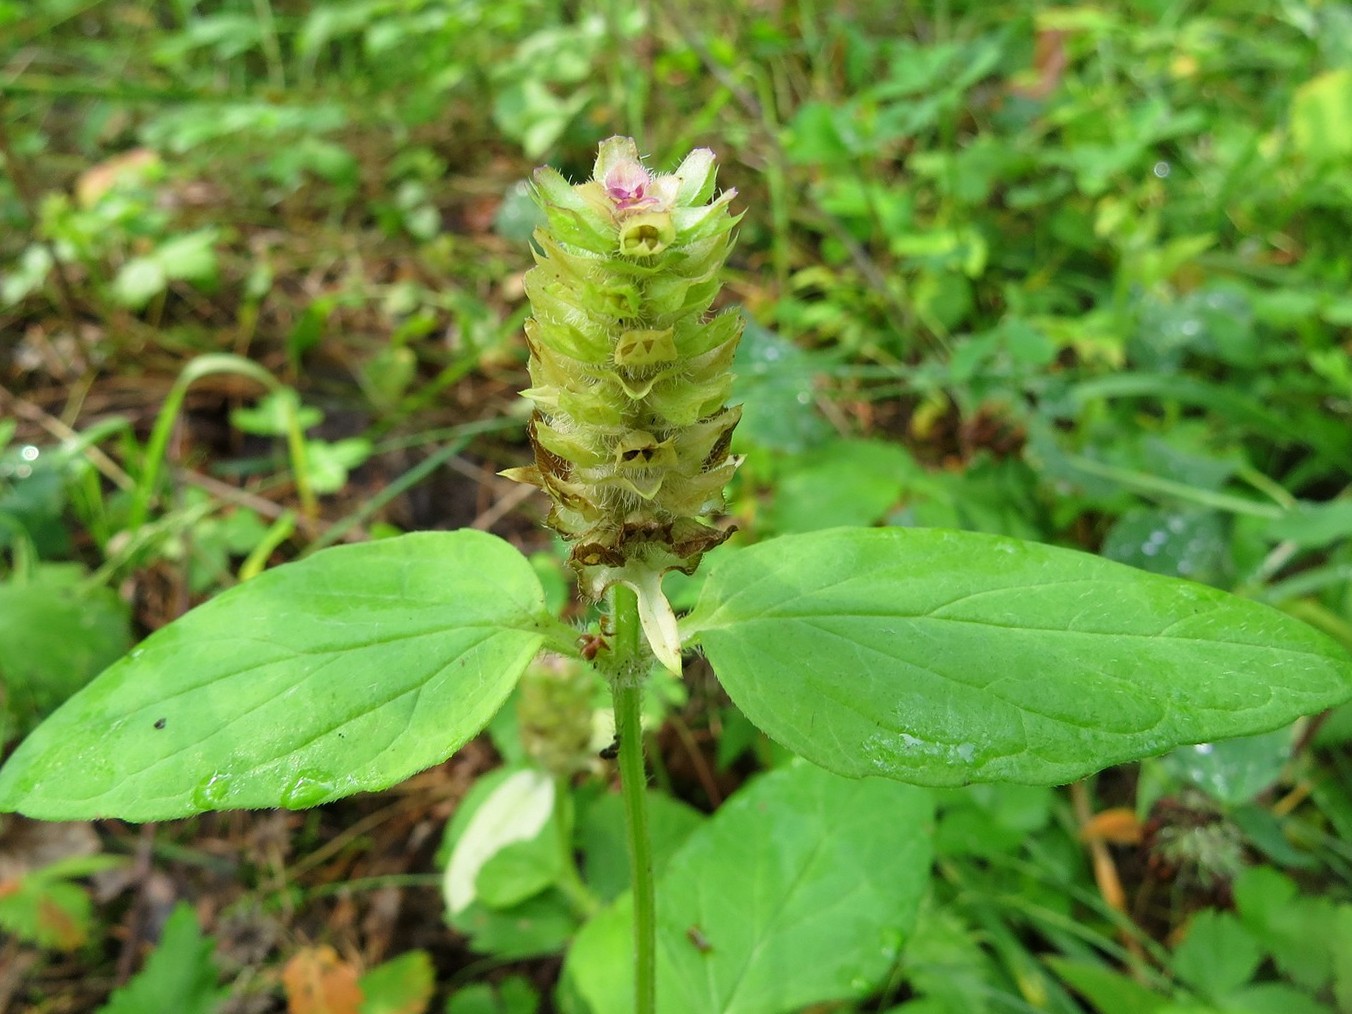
{"x":309,"y":788}
{"x":212,"y":792}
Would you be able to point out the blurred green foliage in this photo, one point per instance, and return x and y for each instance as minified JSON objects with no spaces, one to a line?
{"x":1071,"y":273}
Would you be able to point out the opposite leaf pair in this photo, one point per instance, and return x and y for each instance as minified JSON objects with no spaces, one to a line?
{"x":928,"y":656}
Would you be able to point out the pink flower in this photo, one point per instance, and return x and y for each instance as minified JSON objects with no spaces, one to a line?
{"x":627,"y":184}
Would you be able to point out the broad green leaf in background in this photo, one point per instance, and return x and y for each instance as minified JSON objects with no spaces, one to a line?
{"x":799,"y":889}
{"x":542,"y":924}
{"x":605,"y":846}
{"x":943,"y":657}
{"x":1189,"y":542}
{"x":946,"y":967}
{"x":1233,"y":771}
{"x":138,"y":281}
{"x":990,"y":820}
{"x":190,"y":257}
{"x":775,"y":382}
{"x":843,"y":482}
{"x":1217,"y":956}
{"x":347,"y":671}
{"x":503,"y":864}
{"x":517,"y":811}
{"x":1301,"y":933}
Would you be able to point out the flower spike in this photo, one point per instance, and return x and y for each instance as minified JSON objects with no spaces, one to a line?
{"x":630,"y":373}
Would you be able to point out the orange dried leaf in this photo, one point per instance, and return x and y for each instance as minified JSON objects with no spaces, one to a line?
{"x":1118,"y":826}
{"x":318,"y":981}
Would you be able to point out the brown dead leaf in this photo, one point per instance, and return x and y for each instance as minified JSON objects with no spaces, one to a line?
{"x":98,"y":180}
{"x":1049,"y":64}
{"x":28,"y":845}
{"x":318,"y":981}
{"x":57,"y":925}
{"x":1118,"y":826}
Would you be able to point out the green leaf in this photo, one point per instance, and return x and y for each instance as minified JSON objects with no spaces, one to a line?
{"x":1296,"y":930}
{"x":1342,"y":957}
{"x":1109,"y":991}
{"x":501,"y":857}
{"x":309,"y":328}
{"x":191,"y":257}
{"x":1190,"y":542}
{"x":542,"y":924}
{"x":520,"y":870}
{"x":137,"y":281}
{"x":518,"y":809}
{"x":1233,"y":771}
{"x":774,"y":379}
{"x":1319,"y":109}
{"x":46,"y":910}
{"x":1312,"y":525}
{"x":346,"y":672}
{"x":1267,"y":998}
{"x":328,"y":463}
{"x":1217,"y":956}
{"x":54,"y":637}
{"x":604,"y":842}
{"x":946,"y":966}
{"x":799,"y":889}
{"x":26,"y":276}
{"x":513,"y":996}
{"x":179,"y":976}
{"x":990,"y":820}
{"x":946,"y":657}
{"x":844,"y":482}
{"x":271,"y":415}
{"x":402,"y":985}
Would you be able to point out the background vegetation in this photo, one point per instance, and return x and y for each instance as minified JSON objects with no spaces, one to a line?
{"x":1078,"y":274}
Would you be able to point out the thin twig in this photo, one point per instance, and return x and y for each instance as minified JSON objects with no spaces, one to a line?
{"x":502,"y":506}
{"x":243,"y":498}
{"x":107,"y":467}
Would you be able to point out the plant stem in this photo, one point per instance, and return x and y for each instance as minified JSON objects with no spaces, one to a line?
{"x":627,"y":688}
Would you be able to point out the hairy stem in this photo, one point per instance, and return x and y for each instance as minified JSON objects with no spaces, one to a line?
{"x":627,"y":687}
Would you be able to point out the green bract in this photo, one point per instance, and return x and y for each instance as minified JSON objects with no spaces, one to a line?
{"x":629,"y":372}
